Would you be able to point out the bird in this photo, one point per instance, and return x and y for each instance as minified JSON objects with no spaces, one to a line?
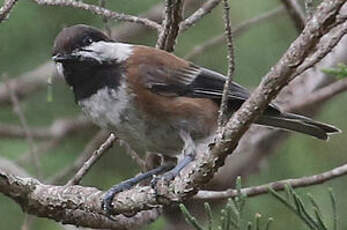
{"x":154,"y":100}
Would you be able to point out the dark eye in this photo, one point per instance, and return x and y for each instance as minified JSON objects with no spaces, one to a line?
{"x":87,"y":41}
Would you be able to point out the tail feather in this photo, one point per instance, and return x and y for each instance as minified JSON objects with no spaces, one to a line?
{"x":298,"y":123}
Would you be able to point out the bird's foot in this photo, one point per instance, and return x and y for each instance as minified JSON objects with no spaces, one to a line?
{"x":107,"y":205}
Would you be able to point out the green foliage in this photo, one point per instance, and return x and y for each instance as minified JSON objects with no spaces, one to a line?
{"x":340,"y":71}
{"x":294,"y":203}
{"x":231,"y":217}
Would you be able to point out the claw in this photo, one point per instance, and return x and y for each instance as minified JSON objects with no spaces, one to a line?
{"x":126,"y":185}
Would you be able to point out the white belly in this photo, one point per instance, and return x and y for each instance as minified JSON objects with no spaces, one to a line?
{"x":114,"y":110}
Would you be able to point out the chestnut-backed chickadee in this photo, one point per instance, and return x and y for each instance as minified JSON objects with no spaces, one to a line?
{"x":152,"y":99}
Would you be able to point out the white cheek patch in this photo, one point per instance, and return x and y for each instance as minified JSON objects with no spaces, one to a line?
{"x":107,"y":51}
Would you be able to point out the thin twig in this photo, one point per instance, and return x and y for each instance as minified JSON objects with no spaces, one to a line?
{"x":6,"y":9}
{"x":231,"y":64}
{"x":168,"y":34}
{"x":28,"y":221}
{"x":205,"y":9}
{"x":296,"y":13}
{"x":237,"y":31}
{"x":101,"y":11}
{"x":278,"y":185}
{"x":166,"y":25}
{"x":28,"y":135}
{"x":324,"y":46}
{"x":91,"y":161}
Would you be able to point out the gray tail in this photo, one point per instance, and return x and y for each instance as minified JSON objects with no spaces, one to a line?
{"x":297,"y":123}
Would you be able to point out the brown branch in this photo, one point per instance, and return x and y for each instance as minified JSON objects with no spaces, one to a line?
{"x":168,"y":34}
{"x":205,"y":9}
{"x":69,"y":205}
{"x":81,"y":205}
{"x":101,"y":12}
{"x":259,"y":142}
{"x":92,"y":160}
{"x":278,"y":185}
{"x":324,"y":46}
{"x":12,"y":168}
{"x":6,"y":9}
{"x":326,"y":17}
{"x":231,"y":65}
{"x":237,"y":31}
{"x":296,"y":13}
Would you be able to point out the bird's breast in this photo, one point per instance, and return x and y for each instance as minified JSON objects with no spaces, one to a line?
{"x":115,"y":110}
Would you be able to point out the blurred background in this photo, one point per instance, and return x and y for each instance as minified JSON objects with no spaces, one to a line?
{"x":25,"y":44}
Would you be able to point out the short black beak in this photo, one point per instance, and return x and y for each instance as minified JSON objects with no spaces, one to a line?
{"x":64,"y":58}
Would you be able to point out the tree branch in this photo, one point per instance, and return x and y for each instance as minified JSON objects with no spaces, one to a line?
{"x":69,"y":205}
{"x":81,"y":205}
{"x":91,"y":161}
{"x":168,"y":34}
{"x":205,"y":9}
{"x":231,"y":65}
{"x":326,"y":17}
{"x":260,"y":142}
{"x":6,"y":9}
{"x":278,"y":185}
{"x":101,"y":12}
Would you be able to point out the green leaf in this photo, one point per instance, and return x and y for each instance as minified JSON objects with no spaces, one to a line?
{"x":340,"y":72}
{"x":333,"y":204}
{"x":209,"y":215}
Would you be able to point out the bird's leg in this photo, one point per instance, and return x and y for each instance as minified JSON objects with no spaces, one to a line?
{"x":189,"y":151}
{"x":127,"y":184}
